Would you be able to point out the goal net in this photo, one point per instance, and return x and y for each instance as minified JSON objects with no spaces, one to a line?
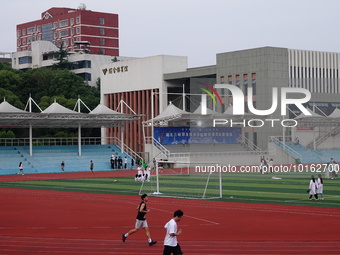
{"x":195,"y":180}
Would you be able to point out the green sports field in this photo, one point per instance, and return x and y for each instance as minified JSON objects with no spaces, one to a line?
{"x":287,"y":189}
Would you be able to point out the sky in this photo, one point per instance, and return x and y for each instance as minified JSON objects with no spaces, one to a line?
{"x":198,"y":29}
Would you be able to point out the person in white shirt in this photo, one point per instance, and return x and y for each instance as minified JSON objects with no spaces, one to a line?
{"x":171,"y":245}
{"x":313,"y":186}
{"x":139,"y":175}
{"x":319,"y":190}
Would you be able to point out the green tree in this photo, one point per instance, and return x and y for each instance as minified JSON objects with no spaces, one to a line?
{"x":36,"y":82}
{"x":11,"y":98}
{"x":9,"y":80}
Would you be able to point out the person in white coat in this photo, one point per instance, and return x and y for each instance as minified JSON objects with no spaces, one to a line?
{"x":312,"y":188}
{"x":319,"y":190}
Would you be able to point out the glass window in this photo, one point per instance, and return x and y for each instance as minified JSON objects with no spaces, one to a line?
{"x":64,"y":43}
{"x":31,"y":39}
{"x":78,"y":20}
{"x":78,"y":30}
{"x":72,"y":31}
{"x":25,"y":60}
{"x":55,"y":24}
{"x":19,"y":33}
{"x":102,"y":21}
{"x":64,"y":33}
{"x":63,"y":23}
{"x":102,"y":41}
{"x":24,"y":32}
{"x":38,"y":28}
{"x":102,"y":31}
{"x":30,"y":30}
{"x":72,"y":21}
{"x":19,"y":42}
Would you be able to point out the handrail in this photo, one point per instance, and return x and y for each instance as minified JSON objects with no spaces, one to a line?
{"x":250,"y":145}
{"x":323,"y":138}
{"x":55,"y":141}
{"x":158,"y":145}
{"x":285,"y":148}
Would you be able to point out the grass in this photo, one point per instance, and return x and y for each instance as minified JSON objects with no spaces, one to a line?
{"x":237,"y":187}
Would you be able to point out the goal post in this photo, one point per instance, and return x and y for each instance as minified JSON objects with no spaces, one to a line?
{"x":196,"y":180}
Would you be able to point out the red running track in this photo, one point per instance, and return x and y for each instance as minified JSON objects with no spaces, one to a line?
{"x":54,"y":222}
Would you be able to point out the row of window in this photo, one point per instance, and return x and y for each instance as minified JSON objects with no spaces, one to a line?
{"x":56,"y":24}
{"x":237,"y":82}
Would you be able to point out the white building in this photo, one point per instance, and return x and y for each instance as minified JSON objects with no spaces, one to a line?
{"x":44,"y":54}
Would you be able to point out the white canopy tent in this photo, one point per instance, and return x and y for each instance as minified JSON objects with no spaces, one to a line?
{"x":58,"y":116}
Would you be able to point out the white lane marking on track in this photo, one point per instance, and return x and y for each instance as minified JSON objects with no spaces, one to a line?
{"x":188,"y":216}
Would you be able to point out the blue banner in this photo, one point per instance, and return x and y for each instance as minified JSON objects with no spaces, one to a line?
{"x":196,"y":135}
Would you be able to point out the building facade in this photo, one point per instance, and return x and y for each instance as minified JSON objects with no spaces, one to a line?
{"x":140,"y":84}
{"x":44,"y":54}
{"x":260,"y":68}
{"x":74,"y":29}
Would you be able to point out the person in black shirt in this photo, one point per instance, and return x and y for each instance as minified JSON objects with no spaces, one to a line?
{"x":141,"y":221}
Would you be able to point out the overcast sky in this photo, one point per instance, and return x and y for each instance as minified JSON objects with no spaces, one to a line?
{"x":198,"y":29}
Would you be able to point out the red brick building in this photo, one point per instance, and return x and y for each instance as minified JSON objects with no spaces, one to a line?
{"x":74,"y":28}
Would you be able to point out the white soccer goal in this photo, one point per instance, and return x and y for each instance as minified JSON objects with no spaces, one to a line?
{"x":196,"y":180}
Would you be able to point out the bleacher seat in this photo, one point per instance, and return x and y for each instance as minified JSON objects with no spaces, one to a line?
{"x":47,"y":159}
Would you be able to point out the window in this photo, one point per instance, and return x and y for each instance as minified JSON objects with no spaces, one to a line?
{"x":25,"y":60}
{"x":19,"y":33}
{"x":78,"y":30}
{"x":24,"y":41}
{"x":39,"y":38}
{"x":238,"y":80}
{"x":38,"y":29}
{"x":81,"y":64}
{"x":102,"y":31}
{"x":230,"y":79}
{"x":64,"y":33}
{"x":24,"y":32}
{"x":30,"y":30}
{"x":253,"y":82}
{"x":102,"y":41}
{"x":72,"y":31}
{"x":102,"y":51}
{"x":31,"y":39}
{"x":78,"y":20}
{"x":55,"y":35}
{"x":72,"y":21}
{"x":55,"y":24}
{"x":85,"y":76}
{"x":102,"y":21}
{"x":63,"y":23}
{"x":19,"y":42}
{"x":64,"y":43}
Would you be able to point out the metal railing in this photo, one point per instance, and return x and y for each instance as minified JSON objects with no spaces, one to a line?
{"x":250,"y":145}
{"x":324,"y":137}
{"x":55,"y":141}
{"x":158,"y":145}
{"x":279,"y":142}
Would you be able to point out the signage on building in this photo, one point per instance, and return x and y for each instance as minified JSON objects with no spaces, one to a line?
{"x":113,"y":70}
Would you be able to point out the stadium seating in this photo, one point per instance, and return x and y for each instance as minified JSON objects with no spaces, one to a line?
{"x":314,"y":156}
{"x":47,"y":159}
